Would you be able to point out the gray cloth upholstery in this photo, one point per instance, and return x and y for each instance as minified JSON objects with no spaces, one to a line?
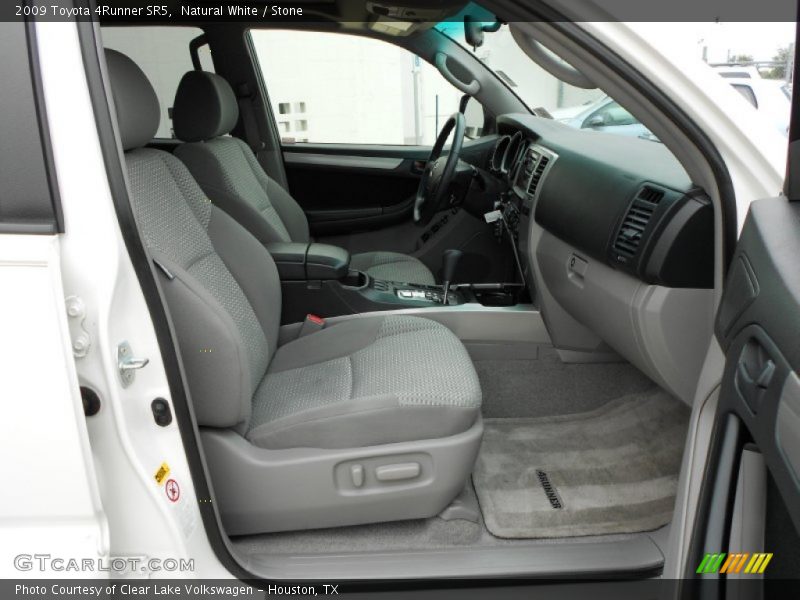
{"x":365,"y":382}
{"x":228,"y":172}
{"x":135,"y":101}
{"x":392,"y":266}
{"x":369,"y":381}
{"x":209,"y":306}
{"x":205,"y":110}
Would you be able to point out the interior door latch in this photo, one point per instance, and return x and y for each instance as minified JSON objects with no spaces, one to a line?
{"x":128,"y":364}
{"x":754,"y":374}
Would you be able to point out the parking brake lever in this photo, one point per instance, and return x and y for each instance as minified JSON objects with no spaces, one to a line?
{"x":450,"y":260}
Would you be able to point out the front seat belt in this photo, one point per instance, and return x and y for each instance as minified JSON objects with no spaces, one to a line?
{"x":251,"y":133}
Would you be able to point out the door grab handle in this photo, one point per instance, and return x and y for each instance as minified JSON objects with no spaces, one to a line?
{"x":471,"y":88}
{"x":753,"y":387}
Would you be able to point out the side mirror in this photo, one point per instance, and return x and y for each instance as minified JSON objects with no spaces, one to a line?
{"x":595,"y":121}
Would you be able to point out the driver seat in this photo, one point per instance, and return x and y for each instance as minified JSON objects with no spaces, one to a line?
{"x":204,"y":112}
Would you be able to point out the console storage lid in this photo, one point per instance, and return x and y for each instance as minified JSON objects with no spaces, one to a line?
{"x":297,"y":261}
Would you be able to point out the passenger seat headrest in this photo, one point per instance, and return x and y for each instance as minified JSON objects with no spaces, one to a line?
{"x":205,"y":107}
{"x":135,"y":101}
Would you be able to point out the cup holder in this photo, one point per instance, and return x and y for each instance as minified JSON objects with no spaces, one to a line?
{"x":497,"y":298}
{"x":497,"y":294}
{"x":355,"y":279}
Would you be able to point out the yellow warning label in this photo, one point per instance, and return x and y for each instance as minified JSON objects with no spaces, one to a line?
{"x":162,"y":473}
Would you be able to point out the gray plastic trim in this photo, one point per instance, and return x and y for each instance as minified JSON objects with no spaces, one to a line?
{"x":546,"y":560}
{"x":259,"y":490}
{"x":665,"y":332}
{"x":788,"y":423}
{"x":549,"y":62}
{"x":749,"y":517}
{"x":343,"y":161}
{"x":473,"y":322}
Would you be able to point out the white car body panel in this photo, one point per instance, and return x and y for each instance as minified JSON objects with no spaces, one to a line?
{"x":50,"y":501}
{"x":126,"y":446}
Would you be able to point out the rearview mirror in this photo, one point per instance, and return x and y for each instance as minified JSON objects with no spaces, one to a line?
{"x":474,"y":30}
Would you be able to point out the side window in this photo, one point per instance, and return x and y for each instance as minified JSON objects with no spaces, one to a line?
{"x":344,"y":89}
{"x":163,"y":54}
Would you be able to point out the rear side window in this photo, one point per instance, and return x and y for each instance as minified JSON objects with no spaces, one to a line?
{"x":28,"y":188}
{"x":163,"y":54}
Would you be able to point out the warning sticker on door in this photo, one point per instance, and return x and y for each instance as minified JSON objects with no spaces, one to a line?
{"x":173,"y":490}
{"x":162,"y":473}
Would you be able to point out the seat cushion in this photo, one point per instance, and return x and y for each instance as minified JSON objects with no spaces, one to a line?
{"x":392,"y":266}
{"x":367,"y":381}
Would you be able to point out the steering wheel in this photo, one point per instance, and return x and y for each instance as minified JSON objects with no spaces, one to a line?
{"x":439,"y":171}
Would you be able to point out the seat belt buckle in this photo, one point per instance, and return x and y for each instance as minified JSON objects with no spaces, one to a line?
{"x":311,"y":324}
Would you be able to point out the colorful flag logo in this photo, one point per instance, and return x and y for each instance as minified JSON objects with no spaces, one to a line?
{"x":743,"y":562}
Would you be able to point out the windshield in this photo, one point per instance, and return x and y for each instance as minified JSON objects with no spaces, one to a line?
{"x":759,"y":72}
{"x":537,"y":88}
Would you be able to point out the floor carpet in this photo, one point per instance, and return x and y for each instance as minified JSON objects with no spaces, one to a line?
{"x":546,"y":386}
{"x":611,"y":470}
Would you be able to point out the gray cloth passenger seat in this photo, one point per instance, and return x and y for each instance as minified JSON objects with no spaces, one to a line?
{"x":372,"y":393}
{"x":204,"y":112}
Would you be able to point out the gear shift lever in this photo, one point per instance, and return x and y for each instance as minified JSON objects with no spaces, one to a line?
{"x":450,"y":260}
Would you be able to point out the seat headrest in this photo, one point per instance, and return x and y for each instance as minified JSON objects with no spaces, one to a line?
{"x":135,"y":101}
{"x":205,"y":107}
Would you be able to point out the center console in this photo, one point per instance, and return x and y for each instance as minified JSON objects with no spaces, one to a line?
{"x":317,"y":279}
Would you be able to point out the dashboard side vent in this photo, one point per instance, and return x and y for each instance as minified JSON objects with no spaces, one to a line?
{"x":630,"y":233}
{"x":650,"y":194}
{"x":538,"y":171}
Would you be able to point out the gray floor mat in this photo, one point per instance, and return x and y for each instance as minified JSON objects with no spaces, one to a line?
{"x":612,"y":470}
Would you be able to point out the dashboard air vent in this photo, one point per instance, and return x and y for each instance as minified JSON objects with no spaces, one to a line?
{"x":650,"y":194}
{"x":537,"y":175}
{"x":630,"y":232}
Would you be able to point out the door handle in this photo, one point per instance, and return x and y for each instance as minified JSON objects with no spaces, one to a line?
{"x":754,"y":373}
{"x":418,"y":166}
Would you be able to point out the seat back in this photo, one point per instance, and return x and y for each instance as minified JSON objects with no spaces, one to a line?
{"x":204,"y":111}
{"x":221,"y":285}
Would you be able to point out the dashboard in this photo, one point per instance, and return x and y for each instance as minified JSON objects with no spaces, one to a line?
{"x":624,"y":201}
{"x":617,"y":242}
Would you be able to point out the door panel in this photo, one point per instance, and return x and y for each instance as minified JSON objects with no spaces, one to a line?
{"x":345,"y":188}
{"x":758,"y":326}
